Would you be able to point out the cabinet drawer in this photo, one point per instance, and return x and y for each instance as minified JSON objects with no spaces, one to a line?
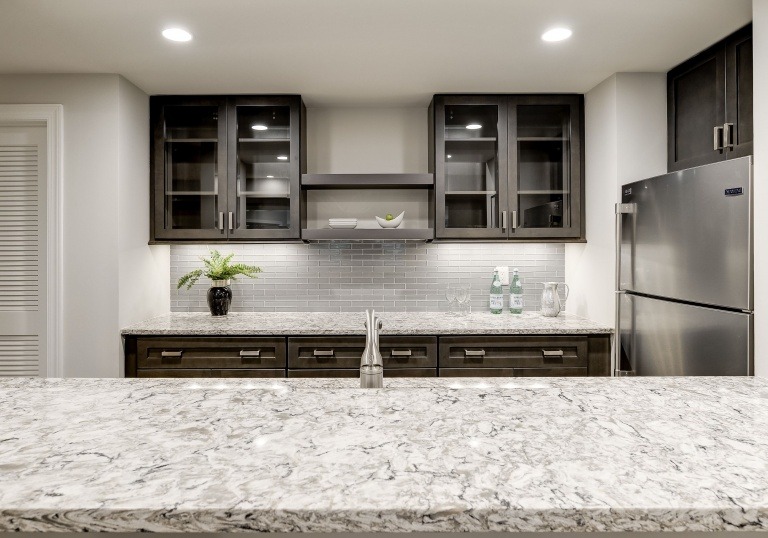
{"x":513,"y":372}
{"x":513,"y":352}
{"x":345,"y":352}
{"x":550,"y":372}
{"x":214,"y":353}
{"x":334,"y":372}
{"x":477,"y":372}
{"x":173,"y":372}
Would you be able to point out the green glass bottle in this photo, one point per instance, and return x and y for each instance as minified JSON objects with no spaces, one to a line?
{"x":497,"y":295}
{"x":515,"y":294}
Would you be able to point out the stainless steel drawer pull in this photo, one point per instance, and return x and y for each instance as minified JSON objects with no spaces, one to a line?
{"x":250,"y":353}
{"x":552,"y":353}
{"x":171,"y":353}
{"x":401,"y":353}
{"x":323,"y":353}
{"x":474,"y":353}
{"x":221,"y":220}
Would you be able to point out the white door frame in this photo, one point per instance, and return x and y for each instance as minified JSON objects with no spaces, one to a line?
{"x":50,"y":116}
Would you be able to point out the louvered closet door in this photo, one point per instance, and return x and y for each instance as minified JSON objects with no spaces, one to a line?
{"x":22,"y":250}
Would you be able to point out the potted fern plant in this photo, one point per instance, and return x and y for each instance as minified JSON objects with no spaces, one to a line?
{"x":221,"y":272}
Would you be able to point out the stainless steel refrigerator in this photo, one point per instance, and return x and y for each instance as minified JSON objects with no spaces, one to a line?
{"x":684,"y":273}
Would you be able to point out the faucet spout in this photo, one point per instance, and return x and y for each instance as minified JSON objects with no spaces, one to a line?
{"x":371,"y":363}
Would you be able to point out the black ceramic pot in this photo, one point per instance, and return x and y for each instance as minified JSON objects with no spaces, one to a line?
{"x":219,"y":297}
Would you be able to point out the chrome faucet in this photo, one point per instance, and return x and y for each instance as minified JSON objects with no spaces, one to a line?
{"x":371,"y":364}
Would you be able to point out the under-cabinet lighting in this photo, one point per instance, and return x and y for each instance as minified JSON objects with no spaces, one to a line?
{"x":449,"y":156}
{"x":556,"y":34}
{"x":474,"y":126}
{"x":177,"y":34}
{"x":270,"y":177}
{"x":282,"y":157}
{"x":259,"y":127}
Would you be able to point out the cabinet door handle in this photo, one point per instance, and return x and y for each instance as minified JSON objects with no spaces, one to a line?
{"x":514,"y":219}
{"x":718,"y":137}
{"x":503,"y":220}
{"x":250,"y":353}
{"x":171,"y":353}
{"x":474,"y":353}
{"x":728,"y":136}
{"x":231,"y":220}
{"x":401,"y":353}
{"x":552,"y":352}
{"x":323,"y":353}
{"x":221,"y":220}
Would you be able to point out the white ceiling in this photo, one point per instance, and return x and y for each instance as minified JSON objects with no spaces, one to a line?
{"x":360,"y":52}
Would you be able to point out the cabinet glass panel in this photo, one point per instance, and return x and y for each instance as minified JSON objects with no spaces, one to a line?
{"x":191,"y":167}
{"x":263,"y":167}
{"x":471,"y":166}
{"x":544,"y":166}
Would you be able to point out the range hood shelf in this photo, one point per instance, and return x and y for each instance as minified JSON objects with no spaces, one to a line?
{"x":367,"y":181}
{"x":360,"y":234}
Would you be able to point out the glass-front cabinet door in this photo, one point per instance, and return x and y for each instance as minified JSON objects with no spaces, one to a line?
{"x":545,"y":166}
{"x":470,"y":165}
{"x":189,"y":168}
{"x":265,"y":167}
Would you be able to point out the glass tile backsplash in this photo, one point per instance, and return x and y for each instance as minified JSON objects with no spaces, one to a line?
{"x":353,"y":276}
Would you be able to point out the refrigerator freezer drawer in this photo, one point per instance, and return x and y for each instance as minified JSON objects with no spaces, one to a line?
{"x":661,"y":337}
{"x":690,"y":237}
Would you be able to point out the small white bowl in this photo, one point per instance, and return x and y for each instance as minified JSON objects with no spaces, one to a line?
{"x":394,"y":223}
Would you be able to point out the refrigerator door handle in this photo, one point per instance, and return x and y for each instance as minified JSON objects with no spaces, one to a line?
{"x":621,"y":209}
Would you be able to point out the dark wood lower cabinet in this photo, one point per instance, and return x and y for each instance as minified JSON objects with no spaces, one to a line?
{"x":404,"y":356}
{"x":345,"y":351}
{"x":392,"y":372}
{"x":204,"y":372}
{"x":513,"y":372}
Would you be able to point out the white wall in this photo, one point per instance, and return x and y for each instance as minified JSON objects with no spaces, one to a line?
{"x":760,"y":91}
{"x":90,"y":190}
{"x":625,"y":129}
{"x":366,"y":140}
{"x":143,"y":286}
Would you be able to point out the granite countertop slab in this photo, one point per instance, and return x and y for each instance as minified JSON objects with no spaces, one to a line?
{"x":352,"y":323}
{"x":568,"y":454}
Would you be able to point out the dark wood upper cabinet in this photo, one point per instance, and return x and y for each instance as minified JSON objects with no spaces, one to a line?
{"x":709,"y":104}
{"x":507,"y":166}
{"x":226,"y":168}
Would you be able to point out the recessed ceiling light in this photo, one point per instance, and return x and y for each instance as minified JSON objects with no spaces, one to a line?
{"x":177,"y":34}
{"x":556,"y":34}
{"x":282,"y":157}
{"x":259,"y":127}
{"x":449,"y":156}
{"x":270,"y":177}
{"x":474,"y":126}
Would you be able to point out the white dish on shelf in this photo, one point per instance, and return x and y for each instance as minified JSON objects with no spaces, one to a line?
{"x":343,"y":225}
{"x":394,"y":223}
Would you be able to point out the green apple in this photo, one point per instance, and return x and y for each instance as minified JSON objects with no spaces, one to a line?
{"x":390,"y":216}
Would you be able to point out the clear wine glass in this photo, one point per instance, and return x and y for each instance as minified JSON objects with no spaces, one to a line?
{"x":462,"y":296}
{"x":450,"y":295}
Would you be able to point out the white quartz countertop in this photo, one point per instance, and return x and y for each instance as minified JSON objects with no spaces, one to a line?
{"x":589,"y":454}
{"x":352,"y":323}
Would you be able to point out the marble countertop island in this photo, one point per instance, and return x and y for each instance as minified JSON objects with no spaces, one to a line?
{"x":352,"y":323}
{"x":589,"y":454}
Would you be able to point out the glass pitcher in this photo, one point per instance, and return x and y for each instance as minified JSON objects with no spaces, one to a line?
{"x":551,"y":305}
